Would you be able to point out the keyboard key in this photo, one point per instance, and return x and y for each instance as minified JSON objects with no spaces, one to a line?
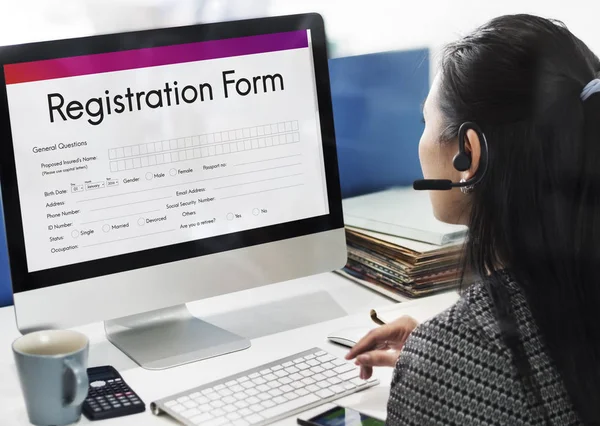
{"x":313,"y":388}
{"x":230,"y":383}
{"x":216,"y":422}
{"x":275,"y":392}
{"x":317,"y":369}
{"x":253,"y":400}
{"x":177,"y":408}
{"x":339,"y":362}
{"x":337,"y":389}
{"x":257,"y":408}
{"x":229,"y":408}
{"x":229,"y":400}
{"x":319,"y":377}
{"x":259,"y":381}
{"x":297,"y":385}
{"x":328,"y":366}
{"x":254,"y":375}
{"x":217,"y":404}
{"x":188,"y":414}
{"x":254,"y":418}
{"x":326,"y":358}
{"x":220,"y":387}
{"x":349,"y":386}
{"x":207,"y":391}
{"x":287,"y":364}
{"x":202,"y":399}
{"x":225,"y":392}
{"x":233,"y":416}
{"x":201,"y":419}
{"x":291,"y":395}
{"x":252,"y":392}
{"x":274,"y":384}
{"x":213,"y":396}
{"x":298,"y":360}
{"x":302,"y":366}
{"x":312,"y":362}
{"x":240,"y":422}
{"x":240,"y":396}
{"x":218,"y":412}
{"x":281,"y":373}
{"x":263,"y":388}
{"x":267,"y":404}
{"x":285,"y":380}
{"x":296,"y":377}
{"x":321,"y":353}
{"x":241,"y":404}
{"x":324,"y":384}
{"x":324,"y":393}
{"x":291,"y":370}
{"x":349,"y":375}
{"x":236,"y":388}
{"x":265,"y":372}
{"x":270,"y":377}
{"x":279,"y":400}
{"x":286,"y":407}
{"x":263,"y":396}
{"x":248,"y":385}
{"x":308,"y":381}
{"x":243,"y":379}
{"x":306,"y":373}
{"x":169,"y":404}
{"x":301,"y":391}
{"x":286,"y":388}
{"x":329,"y":373}
{"x":307,"y":357}
{"x":183,"y":399}
{"x":334,"y":380}
{"x":244,"y":412}
{"x":344,"y":368}
{"x":276,"y":368}
{"x":205,"y":408}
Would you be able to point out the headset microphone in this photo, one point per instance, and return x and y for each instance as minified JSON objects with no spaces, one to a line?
{"x":461,"y":162}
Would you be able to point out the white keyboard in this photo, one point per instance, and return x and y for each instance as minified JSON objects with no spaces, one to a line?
{"x":267,"y":393}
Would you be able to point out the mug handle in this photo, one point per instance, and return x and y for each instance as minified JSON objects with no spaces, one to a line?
{"x":81,"y":382}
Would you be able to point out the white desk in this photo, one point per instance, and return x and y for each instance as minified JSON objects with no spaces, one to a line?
{"x":349,"y":299}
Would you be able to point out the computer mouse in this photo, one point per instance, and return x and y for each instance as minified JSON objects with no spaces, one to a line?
{"x":348,"y":336}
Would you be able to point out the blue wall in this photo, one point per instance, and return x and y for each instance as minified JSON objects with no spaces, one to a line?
{"x":377,"y":110}
{"x":5,"y":287}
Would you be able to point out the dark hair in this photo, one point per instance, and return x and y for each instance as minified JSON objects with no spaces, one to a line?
{"x":537,"y":210}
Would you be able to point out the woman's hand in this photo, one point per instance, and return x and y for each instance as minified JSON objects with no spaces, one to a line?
{"x":381,"y":346}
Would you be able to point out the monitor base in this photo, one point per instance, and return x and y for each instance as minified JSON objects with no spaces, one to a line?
{"x":170,"y":337}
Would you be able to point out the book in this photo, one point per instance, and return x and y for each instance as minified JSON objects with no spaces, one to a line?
{"x":401,"y":212}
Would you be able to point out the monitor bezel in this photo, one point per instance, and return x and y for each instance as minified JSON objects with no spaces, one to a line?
{"x":23,"y":280}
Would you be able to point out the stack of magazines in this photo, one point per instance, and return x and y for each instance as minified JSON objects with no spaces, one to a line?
{"x":397,"y":247}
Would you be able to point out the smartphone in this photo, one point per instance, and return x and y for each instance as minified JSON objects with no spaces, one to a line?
{"x":341,"y":416}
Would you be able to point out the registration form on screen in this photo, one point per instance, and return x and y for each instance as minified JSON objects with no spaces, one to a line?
{"x":126,"y":151}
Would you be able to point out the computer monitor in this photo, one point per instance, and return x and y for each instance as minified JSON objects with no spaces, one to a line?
{"x":144,"y":170}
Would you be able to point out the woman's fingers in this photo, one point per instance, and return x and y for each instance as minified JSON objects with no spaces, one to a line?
{"x":378,"y":358}
{"x":392,"y":335}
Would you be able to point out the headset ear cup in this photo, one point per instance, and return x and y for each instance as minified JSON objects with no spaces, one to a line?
{"x":461,"y":162}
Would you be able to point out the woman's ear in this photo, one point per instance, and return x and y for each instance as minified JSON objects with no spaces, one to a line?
{"x":473,"y":148}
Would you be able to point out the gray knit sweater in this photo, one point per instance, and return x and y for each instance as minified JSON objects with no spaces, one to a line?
{"x":456,"y":370}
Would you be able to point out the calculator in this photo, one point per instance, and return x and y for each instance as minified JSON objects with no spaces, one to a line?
{"x":109,"y":396}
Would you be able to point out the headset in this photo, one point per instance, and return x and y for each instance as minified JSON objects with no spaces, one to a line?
{"x":461,"y":162}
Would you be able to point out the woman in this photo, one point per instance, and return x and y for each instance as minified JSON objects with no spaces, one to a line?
{"x":522,"y":346}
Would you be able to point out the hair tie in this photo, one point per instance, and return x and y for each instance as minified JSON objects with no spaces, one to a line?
{"x":590,"y":88}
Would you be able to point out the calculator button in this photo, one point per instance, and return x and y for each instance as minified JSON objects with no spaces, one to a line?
{"x":118,"y":380}
{"x":111,"y":381}
{"x":126,"y":404}
{"x":117,"y":405}
{"x":98,"y":384}
{"x":97,"y":410}
{"x":137,"y":402}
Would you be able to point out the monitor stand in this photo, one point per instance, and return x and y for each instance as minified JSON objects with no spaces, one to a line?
{"x":170,"y":337}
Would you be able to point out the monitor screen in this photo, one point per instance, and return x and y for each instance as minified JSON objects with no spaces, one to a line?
{"x":126,"y":151}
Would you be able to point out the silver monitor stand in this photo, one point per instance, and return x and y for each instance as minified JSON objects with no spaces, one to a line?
{"x":170,"y":337}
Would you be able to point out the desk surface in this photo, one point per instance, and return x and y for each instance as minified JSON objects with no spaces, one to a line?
{"x":342,"y":304}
